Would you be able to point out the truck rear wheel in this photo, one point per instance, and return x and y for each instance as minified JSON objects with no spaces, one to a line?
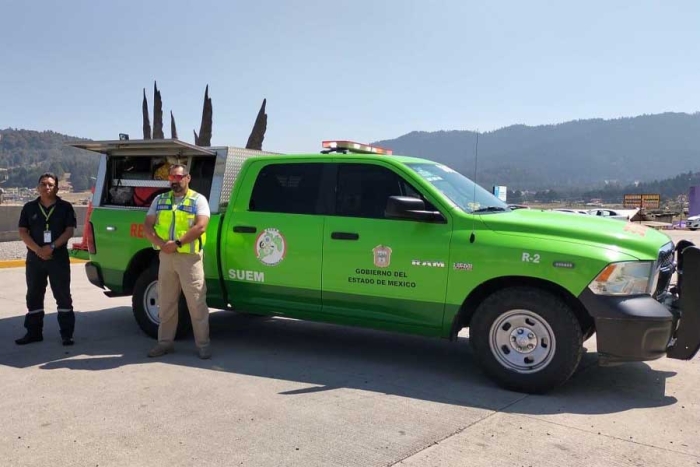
{"x":145,"y":305}
{"x":526,"y":339}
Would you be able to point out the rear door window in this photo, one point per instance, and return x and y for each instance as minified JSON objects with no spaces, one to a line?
{"x":288,"y":188}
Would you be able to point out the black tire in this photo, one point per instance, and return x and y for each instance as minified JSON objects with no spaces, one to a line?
{"x":146,"y":321}
{"x":508,"y":322}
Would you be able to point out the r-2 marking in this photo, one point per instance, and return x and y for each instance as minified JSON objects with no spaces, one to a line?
{"x":527,"y":258}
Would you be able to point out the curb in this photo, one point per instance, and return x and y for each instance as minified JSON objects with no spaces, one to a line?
{"x":19,"y":263}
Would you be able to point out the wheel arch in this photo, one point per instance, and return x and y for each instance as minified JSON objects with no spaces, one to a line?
{"x":471,"y":303}
{"x":139,"y":263}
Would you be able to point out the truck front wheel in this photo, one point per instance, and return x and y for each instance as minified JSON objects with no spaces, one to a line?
{"x":526,"y":339}
{"x":145,"y":305}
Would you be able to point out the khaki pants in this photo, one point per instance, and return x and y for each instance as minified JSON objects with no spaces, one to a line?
{"x":182,"y":271}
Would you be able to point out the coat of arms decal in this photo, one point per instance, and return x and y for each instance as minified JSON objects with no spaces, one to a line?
{"x":382,"y":256}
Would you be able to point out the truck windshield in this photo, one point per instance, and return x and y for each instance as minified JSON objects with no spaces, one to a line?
{"x":466,"y":194}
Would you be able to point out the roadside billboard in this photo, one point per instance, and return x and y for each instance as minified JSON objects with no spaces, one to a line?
{"x":647,"y":201}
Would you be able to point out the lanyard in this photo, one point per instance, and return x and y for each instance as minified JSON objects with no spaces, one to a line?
{"x":47,"y":216}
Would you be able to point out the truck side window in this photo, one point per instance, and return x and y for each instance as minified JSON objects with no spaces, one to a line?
{"x":363,"y":190}
{"x":287,"y":188}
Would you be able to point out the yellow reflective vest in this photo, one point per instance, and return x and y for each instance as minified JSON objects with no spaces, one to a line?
{"x":174,"y":220}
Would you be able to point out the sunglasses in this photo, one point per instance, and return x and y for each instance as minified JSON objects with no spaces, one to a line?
{"x":176,"y":178}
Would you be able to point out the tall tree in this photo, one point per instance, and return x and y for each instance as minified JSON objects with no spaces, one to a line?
{"x":257,"y":135}
{"x":173,"y":130}
{"x":157,"y":113}
{"x":146,"y":121}
{"x":204,"y":137}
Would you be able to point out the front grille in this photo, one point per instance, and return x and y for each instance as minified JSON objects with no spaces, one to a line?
{"x":666,"y":256}
{"x":667,"y":267}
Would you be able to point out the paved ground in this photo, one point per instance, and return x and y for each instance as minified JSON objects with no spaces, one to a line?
{"x":282,"y":392}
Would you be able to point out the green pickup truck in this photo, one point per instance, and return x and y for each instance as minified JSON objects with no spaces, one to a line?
{"x":357,"y":236}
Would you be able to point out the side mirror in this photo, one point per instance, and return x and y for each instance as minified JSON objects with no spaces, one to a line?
{"x":406,"y":207}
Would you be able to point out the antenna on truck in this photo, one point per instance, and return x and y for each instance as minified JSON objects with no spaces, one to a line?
{"x":476,"y":160}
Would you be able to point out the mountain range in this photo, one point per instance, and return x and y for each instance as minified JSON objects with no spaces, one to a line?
{"x":581,"y":154}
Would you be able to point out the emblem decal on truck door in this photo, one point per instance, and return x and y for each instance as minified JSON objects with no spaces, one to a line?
{"x":382,"y":256}
{"x":270,"y":247}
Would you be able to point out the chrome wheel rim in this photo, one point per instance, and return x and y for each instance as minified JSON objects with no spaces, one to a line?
{"x":522,"y":341}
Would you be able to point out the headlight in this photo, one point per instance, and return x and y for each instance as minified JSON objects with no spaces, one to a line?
{"x":628,"y":278}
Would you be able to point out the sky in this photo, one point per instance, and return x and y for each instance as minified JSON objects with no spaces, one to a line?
{"x":360,"y":70}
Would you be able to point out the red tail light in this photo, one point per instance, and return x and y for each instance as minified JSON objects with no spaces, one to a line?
{"x":90,"y":237}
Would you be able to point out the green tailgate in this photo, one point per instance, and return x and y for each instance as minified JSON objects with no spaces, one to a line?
{"x":118,"y":238}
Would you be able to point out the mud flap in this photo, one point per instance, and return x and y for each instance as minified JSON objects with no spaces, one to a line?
{"x":687,"y":336}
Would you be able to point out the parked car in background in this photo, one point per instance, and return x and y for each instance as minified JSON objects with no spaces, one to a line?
{"x":693,"y":222}
{"x":571,"y":211}
{"x":623,"y":215}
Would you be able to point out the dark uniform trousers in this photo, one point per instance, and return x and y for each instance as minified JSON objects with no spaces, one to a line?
{"x":57,"y":271}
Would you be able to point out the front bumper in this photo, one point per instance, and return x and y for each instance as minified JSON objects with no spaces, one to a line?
{"x":641,"y":328}
{"x":629,"y":329}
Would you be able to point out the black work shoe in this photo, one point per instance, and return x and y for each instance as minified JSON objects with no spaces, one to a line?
{"x":29,"y":338}
{"x":68,"y":341}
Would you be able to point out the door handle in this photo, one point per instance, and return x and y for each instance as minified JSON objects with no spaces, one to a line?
{"x":345,"y":236}
{"x":244,"y":229}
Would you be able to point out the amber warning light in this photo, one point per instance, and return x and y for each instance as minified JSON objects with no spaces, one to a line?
{"x":351,"y":146}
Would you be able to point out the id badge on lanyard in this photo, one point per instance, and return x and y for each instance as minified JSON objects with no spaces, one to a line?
{"x":47,"y":231}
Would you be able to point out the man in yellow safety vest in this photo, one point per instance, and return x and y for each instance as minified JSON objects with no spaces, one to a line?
{"x":176,"y":224}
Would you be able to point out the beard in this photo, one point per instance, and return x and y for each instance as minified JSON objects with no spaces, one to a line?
{"x":176,"y":187}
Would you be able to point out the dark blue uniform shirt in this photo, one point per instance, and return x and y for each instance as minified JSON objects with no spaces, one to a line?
{"x":33,"y":219}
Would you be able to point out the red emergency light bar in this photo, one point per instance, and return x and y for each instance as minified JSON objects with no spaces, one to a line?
{"x":351,"y":146}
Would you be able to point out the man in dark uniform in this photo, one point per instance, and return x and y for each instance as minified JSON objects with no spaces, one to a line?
{"x":45,"y":226}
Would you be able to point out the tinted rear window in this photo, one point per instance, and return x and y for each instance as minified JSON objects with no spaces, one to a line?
{"x":287,"y":188}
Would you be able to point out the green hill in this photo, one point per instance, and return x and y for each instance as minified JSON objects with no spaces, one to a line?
{"x":27,"y":154}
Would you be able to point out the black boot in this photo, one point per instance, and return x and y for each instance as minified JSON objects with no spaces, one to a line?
{"x":66,"y":321}
{"x":34,"y":324}
{"x":29,"y":338}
